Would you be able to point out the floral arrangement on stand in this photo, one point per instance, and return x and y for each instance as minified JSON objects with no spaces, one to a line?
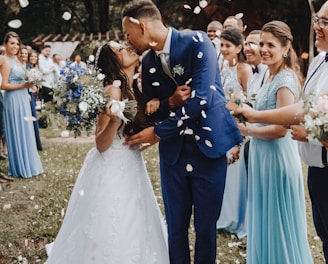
{"x":316,"y":117}
{"x":79,"y":97}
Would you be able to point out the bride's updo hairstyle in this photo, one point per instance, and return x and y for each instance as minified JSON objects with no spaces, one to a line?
{"x":109,"y":64}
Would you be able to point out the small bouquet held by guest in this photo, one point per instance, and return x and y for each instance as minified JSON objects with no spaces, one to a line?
{"x":316,"y":117}
{"x":34,"y":76}
{"x":80,"y":97}
{"x":237,"y":99}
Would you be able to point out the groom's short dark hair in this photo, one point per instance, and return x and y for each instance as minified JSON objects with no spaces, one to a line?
{"x":141,"y":8}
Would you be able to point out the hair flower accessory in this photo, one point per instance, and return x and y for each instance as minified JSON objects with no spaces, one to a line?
{"x":178,"y":69}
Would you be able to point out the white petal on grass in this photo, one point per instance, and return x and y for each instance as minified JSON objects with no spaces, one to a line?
{"x":180,"y":123}
{"x":6,"y":206}
{"x":36,"y":207}
{"x":64,"y":133}
{"x":32,"y":197}
{"x":155,"y":84}
{"x":200,"y":55}
{"x":208,"y":143}
{"x":189,"y":168}
{"x":62,"y":212}
{"x":197,"y":10}
{"x":152,"y":70}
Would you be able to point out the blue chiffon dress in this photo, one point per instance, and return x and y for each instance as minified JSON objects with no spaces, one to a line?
{"x":233,"y":212}
{"x":23,"y":157}
{"x":277,"y":228}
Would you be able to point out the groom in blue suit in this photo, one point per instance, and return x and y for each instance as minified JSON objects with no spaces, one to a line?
{"x":193,"y":135}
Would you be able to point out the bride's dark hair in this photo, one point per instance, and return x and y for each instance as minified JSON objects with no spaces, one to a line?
{"x":109,"y":64}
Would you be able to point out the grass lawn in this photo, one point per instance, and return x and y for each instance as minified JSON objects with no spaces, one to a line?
{"x":31,"y":210}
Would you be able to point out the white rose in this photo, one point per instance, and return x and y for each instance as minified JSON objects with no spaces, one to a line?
{"x":101,"y":76}
{"x":83,"y":106}
{"x":91,"y":58}
{"x":64,"y":133}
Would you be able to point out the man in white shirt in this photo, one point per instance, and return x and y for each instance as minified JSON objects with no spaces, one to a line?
{"x":312,"y":152}
{"x":49,"y":71}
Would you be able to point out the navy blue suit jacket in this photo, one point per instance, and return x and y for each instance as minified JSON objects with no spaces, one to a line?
{"x":203,"y":115}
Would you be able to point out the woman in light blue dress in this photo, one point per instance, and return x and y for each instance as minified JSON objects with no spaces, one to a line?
{"x":23,"y":157}
{"x":277,"y":230}
{"x":234,"y":76}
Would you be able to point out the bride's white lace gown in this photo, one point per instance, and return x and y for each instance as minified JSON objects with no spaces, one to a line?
{"x":112,"y":216}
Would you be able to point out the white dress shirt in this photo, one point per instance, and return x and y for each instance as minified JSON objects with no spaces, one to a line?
{"x":46,"y":66}
{"x":316,"y":83}
{"x":255,"y":82}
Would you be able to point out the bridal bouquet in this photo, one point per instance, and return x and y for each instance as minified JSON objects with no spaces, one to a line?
{"x":34,"y":76}
{"x":80,"y":97}
{"x":316,"y":117}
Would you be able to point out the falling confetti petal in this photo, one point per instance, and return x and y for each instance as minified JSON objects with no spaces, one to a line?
{"x":153,"y":43}
{"x":200,"y":55}
{"x":189,"y":168}
{"x":193,"y":94}
{"x":218,"y":33}
{"x":183,"y":110}
{"x":117,"y":83}
{"x":16,"y":23}
{"x":186,"y":6}
{"x":66,"y":16}
{"x":23,"y":3}
{"x":203,"y":114}
{"x":81,"y":192}
{"x":172,"y":114}
{"x":202,"y":102}
{"x":180,"y":122}
{"x":203,"y":3}
{"x":196,"y":40}
{"x":253,"y":46}
{"x":197,"y":137}
{"x":133,"y":20}
{"x":155,"y":84}
{"x":197,"y":10}
{"x":29,"y":118}
{"x":208,"y":143}
{"x":200,"y":36}
{"x":185,"y":117}
{"x":136,"y":76}
{"x":152,"y":70}
{"x":239,"y":15}
{"x":64,"y":133}
{"x":189,"y":131}
{"x":213,"y":87}
{"x":182,"y":132}
{"x":207,"y":128}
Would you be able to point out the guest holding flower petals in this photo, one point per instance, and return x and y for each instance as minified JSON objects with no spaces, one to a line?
{"x":276,"y":230}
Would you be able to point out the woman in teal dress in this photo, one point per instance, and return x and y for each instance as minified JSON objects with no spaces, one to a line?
{"x":277,"y":231}
{"x":23,"y":157}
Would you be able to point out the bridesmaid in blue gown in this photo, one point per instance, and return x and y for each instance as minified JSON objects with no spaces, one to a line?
{"x":277,"y":230}
{"x":23,"y":157}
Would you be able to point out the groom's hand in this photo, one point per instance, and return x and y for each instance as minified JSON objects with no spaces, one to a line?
{"x":143,"y":139}
{"x":181,"y":94}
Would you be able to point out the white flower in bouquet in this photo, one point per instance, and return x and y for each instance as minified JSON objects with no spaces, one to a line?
{"x":34,"y":76}
{"x":316,"y":117}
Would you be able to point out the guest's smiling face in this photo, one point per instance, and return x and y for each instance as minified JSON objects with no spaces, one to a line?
{"x":320,"y":26}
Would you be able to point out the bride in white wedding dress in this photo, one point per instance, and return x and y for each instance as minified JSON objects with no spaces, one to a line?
{"x":112,"y":216}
